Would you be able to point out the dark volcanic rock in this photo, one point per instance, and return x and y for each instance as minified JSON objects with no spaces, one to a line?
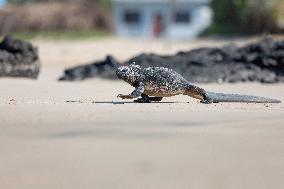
{"x":261,"y":62}
{"x":104,"y":69}
{"x":18,"y":58}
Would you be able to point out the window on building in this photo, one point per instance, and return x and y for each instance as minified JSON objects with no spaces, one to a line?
{"x":182,"y":17}
{"x":132,"y":17}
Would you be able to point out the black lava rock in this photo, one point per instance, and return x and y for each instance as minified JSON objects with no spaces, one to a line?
{"x":259,"y":62}
{"x":18,"y":59}
{"x":103,"y":69}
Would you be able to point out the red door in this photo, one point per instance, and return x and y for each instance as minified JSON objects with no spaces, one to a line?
{"x":158,"y":25}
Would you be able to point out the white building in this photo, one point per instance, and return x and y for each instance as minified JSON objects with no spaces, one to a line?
{"x":161,"y":18}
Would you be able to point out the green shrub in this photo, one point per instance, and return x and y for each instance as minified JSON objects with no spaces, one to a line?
{"x":245,"y":16}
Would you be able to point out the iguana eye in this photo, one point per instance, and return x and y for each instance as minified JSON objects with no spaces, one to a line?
{"x":124,"y":70}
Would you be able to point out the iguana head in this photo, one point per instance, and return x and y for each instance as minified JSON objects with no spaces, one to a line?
{"x":130,"y":74}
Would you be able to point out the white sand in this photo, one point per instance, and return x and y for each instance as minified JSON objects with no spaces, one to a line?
{"x":71,"y":135}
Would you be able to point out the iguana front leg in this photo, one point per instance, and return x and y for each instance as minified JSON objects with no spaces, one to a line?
{"x":147,"y":99}
{"x":135,"y":94}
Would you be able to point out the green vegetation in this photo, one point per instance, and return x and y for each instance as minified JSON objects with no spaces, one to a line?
{"x":62,"y":35}
{"x":107,"y":4}
{"x":244,"y":16}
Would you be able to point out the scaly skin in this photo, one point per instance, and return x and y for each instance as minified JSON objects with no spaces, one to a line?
{"x":160,"y":82}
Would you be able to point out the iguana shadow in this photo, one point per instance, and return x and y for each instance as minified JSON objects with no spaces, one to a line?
{"x":119,"y":102}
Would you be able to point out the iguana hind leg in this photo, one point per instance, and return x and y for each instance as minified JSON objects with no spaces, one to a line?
{"x":198,"y":93}
{"x":144,"y":99}
{"x":156,"y":99}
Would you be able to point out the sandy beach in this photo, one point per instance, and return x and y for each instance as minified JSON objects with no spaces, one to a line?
{"x":70,"y":135}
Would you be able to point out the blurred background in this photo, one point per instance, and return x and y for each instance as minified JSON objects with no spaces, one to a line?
{"x":140,"y":18}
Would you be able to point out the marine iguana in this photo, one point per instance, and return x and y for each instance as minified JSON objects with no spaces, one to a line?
{"x":154,"y":83}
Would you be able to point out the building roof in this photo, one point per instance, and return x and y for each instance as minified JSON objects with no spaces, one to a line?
{"x":162,"y":1}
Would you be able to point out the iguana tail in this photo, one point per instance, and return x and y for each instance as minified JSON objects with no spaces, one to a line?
{"x":212,"y":97}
